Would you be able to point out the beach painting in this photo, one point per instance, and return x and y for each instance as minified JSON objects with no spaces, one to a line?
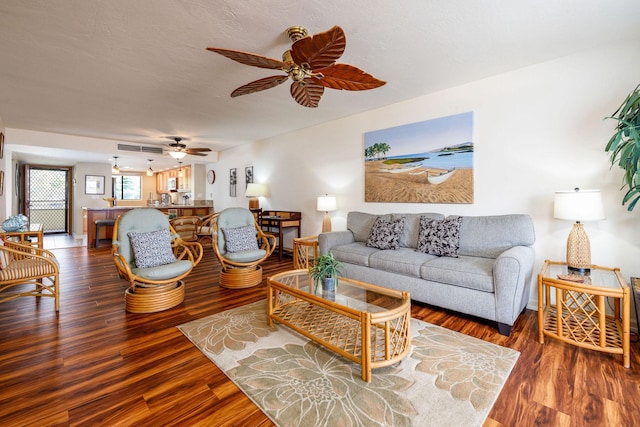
{"x":424,"y":162}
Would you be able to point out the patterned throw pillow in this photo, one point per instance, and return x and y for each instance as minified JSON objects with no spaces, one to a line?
{"x":152,"y":248}
{"x":385,"y":234}
{"x":439,"y":237}
{"x":240,"y":239}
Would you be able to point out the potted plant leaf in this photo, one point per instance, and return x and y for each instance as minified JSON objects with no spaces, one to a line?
{"x":325,"y":272}
{"x":624,"y":146}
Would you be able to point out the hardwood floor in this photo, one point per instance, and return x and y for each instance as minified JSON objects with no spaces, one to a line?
{"x":95,"y":364}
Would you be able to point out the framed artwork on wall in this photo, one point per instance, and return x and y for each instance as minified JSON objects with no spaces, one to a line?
{"x":93,"y":184}
{"x":16,"y":181}
{"x":233,"y":179}
{"x":424,"y":162}
{"x":1,"y":145}
{"x":248,"y":175}
{"x":2,"y":183}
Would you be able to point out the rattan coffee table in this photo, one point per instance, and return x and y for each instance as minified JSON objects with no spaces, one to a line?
{"x":365,"y":323}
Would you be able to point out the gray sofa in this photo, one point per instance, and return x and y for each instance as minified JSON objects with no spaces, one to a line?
{"x":490,"y":278}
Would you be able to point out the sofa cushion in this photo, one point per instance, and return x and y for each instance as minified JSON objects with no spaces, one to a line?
{"x":354,"y":253}
{"x":385,"y":233}
{"x":360,"y":223}
{"x":405,"y":261}
{"x":439,"y":237}
{"x":468,"y":272}
{"x":489,"y":236}
{"x":409,"y":238}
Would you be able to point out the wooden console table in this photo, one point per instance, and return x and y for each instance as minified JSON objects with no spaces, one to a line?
{"x":276,"y":222}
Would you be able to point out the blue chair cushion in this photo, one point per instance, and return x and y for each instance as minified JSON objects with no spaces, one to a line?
{"x":245,"y":256}
{"x":163,"y":272}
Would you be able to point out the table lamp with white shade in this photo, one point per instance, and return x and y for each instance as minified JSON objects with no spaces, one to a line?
{"x":327,"y":204}
{"x":254,"y":191}
{"x":578,"y":205}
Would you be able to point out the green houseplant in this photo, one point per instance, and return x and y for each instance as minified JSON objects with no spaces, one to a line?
{"x":325,"y":271}
{"x":624,"y":146}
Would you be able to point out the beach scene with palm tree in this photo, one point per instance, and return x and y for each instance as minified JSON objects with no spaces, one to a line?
{"x":424,"y":162}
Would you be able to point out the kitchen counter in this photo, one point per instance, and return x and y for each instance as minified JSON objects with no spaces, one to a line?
{"x":90,"y":215}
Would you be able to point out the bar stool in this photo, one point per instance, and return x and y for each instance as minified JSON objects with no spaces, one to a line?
{"x":102,"y":223}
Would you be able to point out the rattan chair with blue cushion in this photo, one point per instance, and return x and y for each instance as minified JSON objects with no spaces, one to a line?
{"x":154,"y":259}
{"x":240,"y":245}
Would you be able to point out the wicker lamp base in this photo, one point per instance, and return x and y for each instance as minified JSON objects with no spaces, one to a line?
{"x":578,"y":249}
{"x":150,"y":299}
{"x":238,"y":278}
{"x":326,"y":223}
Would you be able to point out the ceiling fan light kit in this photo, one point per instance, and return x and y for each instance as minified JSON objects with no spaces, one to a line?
{"x":310,"y":63}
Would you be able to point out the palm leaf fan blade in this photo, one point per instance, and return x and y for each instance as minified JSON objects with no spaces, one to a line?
{"x":248,"y":58}
{"x":259,"y":85}
{"x":320,"y":50}
{"x":346,"y":77}
{"x":306,"y":93}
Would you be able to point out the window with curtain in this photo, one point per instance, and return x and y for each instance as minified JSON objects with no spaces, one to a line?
{"x":127,"y":187}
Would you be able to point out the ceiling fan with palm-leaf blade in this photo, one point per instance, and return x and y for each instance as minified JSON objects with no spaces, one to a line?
{"x":311,"y":64}
{"x":179,"y":147}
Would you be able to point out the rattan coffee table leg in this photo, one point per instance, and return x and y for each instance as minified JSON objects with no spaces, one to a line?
{"x":365,"y":351}
{"x":269,"y":304}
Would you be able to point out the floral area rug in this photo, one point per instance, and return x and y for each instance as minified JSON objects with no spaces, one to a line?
{"x":448,"y":379}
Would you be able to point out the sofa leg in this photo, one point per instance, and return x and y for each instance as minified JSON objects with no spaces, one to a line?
{"x":504,"y":329}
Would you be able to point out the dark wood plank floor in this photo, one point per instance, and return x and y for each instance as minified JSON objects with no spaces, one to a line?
{"x":95,"y":364}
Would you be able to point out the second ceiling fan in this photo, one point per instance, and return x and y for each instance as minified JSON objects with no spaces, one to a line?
{"x":179,"y":150}
{"x":310,"y":63}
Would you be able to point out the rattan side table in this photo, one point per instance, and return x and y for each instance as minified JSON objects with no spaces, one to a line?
{"x":305,"y":251}
{"x":574,"y":309}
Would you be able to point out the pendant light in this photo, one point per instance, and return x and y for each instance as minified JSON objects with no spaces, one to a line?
{"x":115,"y":169}
{"x":180,"y":173}
{"x":149,"y":171}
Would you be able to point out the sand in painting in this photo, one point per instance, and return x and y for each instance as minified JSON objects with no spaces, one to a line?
{"x":412,"y":187}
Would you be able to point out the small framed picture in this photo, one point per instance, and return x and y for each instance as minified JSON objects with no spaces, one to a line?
{"x":93,"y":184}
{"x":233,"y":179}
{"x":1,"y":183}
{"x":1,"y":145}
{"x":248,"y":175}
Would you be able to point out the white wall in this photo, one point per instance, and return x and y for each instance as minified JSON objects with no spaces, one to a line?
{"x":5,"y":165}
{"x":537,"y":130}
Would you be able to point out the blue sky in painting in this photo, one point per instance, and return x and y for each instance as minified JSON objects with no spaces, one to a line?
{"x":424,"y":136}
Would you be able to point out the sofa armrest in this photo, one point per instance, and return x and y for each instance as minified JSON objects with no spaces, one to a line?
{"x":512,"y":274}
{"x":326,"y":241}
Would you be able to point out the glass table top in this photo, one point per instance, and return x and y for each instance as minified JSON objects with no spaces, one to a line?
{"x":349,"y":293}
{"x":599,"y":277}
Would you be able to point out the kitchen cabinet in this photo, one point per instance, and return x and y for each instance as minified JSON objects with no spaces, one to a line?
{"x":182,"y":183}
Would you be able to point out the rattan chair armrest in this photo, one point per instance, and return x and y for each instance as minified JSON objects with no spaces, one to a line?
{"x":268,"y":242}
{"x":192,"y":250}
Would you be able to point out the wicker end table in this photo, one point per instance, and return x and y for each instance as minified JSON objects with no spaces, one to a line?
{"x":365,"y":323}
{"x":573,"y":308}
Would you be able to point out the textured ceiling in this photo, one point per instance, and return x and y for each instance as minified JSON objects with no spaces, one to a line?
{"x":138,"y":71}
